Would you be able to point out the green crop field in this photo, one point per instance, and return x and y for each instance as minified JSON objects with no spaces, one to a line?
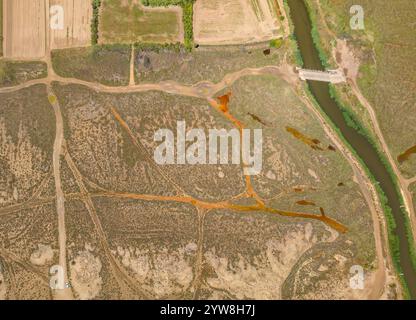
{"x":129,"y":21}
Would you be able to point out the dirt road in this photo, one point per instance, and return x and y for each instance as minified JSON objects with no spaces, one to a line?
{"x":60,"y":294}
{"x":203,"y":89}
{"x":132,"y":81}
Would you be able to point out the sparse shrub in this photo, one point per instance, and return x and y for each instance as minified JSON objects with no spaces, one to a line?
{"x":276,"y":43}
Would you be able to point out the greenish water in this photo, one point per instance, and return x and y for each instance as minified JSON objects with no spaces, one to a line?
{"x":364,"y":149}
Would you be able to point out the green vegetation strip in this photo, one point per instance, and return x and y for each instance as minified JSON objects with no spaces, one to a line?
{"x":96,"y":4}
{"x":188,"y":13}
{"x":355,"y":123}
{"x":297,"y":56}
{"x":316,"y":37}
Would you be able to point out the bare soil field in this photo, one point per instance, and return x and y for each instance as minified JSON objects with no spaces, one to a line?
{"x":24,"y":29}
{"x":219,"y":22}
{"x":77,"y":24}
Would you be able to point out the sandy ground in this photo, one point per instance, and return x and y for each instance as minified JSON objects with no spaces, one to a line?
{"x":24,"y":28}
{"x":346,"y":60}
{"x":85,"y":272}
{"x":264,"y":278}
{"x":85,"y":275}
{"x":77,"y":25}
{"x":42,"y":255}
{"x":219,"y":22}
{"x":161,"y":272}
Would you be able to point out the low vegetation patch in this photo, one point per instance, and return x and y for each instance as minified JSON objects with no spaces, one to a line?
{"x":174,"y":63}
{"x":106,"y":64}
{"x":17,"y":72}
{"x":276,"y":43}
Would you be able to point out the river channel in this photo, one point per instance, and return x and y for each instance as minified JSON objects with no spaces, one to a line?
{"x":320,"y":90}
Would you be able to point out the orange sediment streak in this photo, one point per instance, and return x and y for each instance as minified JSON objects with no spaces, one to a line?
{"x":224,"y":100}
{"x":225,"y":205}
{"x":148,"y":197}
{"x":224,"y":109}
{"x":120,"y":120}
{"x":323,"y":218}
{"x":249,"y":193}
{"x":405,"y":155}
{"x":305,"y":203}
{"x":278,"y":12}
{"x":313,"y":143}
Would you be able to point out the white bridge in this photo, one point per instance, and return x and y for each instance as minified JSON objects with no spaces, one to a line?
{"x":333,"y":76}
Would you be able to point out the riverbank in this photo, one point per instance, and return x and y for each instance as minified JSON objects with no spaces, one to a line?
{"x":377,"y":168}
{"x":354,"y":122}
